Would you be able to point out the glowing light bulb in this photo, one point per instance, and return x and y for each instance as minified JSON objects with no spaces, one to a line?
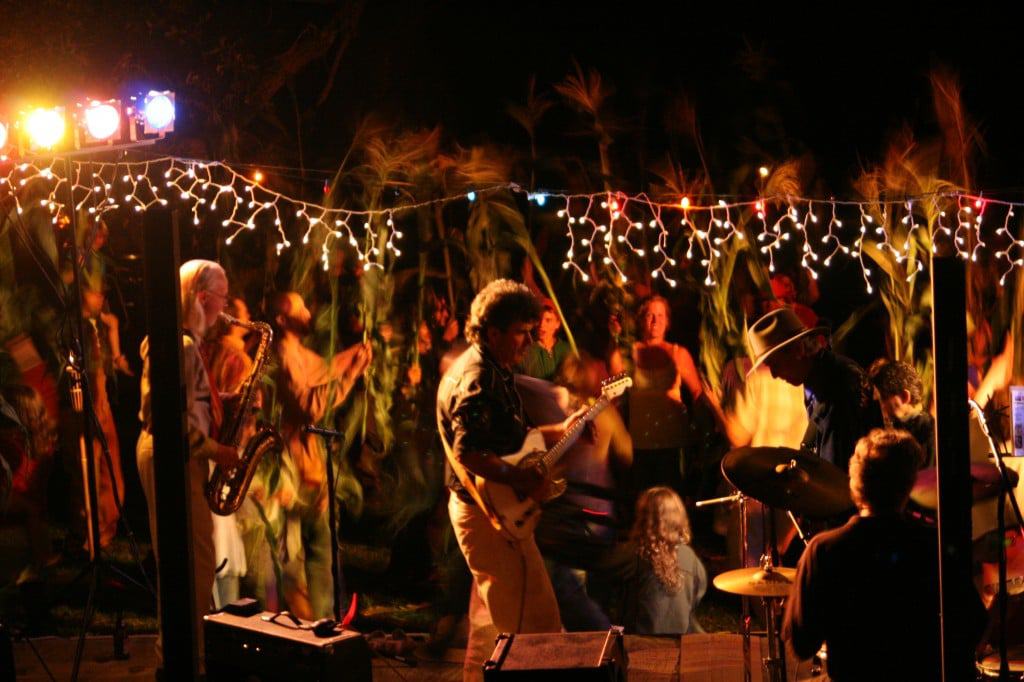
{"x":102,"y":121}
{"x":541,"y":199}
{"x":257,"y":176}
{"x":158,"y":111}
{"x":684,"y":203}
{"x":763,"y":171}
{"x":45,"y":127}
{"x":471,"y":196}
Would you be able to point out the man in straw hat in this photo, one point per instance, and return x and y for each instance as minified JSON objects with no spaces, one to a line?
{"x":839,"y":395}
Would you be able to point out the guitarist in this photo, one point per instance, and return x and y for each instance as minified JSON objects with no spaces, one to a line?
{"x":480,"y":418}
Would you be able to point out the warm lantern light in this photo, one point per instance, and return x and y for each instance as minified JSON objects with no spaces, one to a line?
{"x":158,"y":112}
{"x":102,"y":121}
{"x":45,"y":127}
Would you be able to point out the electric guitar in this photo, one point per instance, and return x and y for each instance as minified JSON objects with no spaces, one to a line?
{"x":516,"y":515}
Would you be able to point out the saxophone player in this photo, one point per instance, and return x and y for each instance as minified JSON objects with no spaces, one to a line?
{"x":307,"y":388}
{"x":204,"y":292}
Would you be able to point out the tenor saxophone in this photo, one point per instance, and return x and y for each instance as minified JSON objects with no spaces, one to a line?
{"x":226,"y":489}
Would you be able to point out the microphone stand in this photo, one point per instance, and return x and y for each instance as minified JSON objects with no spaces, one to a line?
{"x":336,"y":580}
{"x":745,"y":618}
{"x":1005,"y":493}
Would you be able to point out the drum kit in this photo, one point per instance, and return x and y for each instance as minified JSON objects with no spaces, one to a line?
{"x":802,"y":485}
{"x":806,"y":487}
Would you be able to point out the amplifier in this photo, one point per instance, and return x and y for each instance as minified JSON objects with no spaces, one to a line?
{"x":251,"y":647}
{"x":571,"y":656}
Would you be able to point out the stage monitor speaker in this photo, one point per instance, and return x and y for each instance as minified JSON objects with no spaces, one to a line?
{"x":565,"y":656}
{"x":246,"y":648}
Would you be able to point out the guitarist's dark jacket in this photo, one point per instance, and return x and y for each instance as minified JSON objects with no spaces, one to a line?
{"x":479,"y":410}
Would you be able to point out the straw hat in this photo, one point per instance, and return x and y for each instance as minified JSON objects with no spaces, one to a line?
{"x":774,"y":330}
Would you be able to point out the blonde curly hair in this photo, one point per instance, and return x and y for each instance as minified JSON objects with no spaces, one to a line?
{"x":661,"y":525}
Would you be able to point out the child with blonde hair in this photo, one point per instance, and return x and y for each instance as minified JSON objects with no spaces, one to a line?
{"x":670,"y":579}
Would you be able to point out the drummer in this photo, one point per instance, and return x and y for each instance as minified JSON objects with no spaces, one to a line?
{"x":840,"y":405}
{"x":869,"y":590}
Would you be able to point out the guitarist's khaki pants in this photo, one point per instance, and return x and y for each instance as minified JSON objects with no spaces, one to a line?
{"x":509,"y":578}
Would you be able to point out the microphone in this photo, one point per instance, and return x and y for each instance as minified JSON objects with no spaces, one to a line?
{"x":326,"y":433}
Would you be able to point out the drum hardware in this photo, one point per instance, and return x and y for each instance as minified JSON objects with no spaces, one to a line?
{"x":798,"y":483}
{"x":789,"y":479}
{"x":799,"y":530}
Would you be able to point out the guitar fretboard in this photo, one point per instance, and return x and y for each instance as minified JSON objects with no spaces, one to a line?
{"x":570,"y":436}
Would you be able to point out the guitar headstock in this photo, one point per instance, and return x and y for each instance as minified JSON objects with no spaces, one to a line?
{"x":615,"y":385}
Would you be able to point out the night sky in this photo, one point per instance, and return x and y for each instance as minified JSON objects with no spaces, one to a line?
{"x":842,"y":85}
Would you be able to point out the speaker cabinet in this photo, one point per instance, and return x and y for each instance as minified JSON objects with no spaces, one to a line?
{"x":572,"y":656}
{"x":246,"y":648}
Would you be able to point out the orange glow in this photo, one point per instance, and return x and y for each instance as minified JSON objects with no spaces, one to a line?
{"x":685,"y":202}
{"x":258,"y":176}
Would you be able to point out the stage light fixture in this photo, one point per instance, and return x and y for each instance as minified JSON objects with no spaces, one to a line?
{"x":102,"y":120}
{"x":45,"y":127}
{"x":158,"y":112}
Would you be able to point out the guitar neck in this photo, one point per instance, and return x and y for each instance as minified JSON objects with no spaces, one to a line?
{"x":570,"y":436}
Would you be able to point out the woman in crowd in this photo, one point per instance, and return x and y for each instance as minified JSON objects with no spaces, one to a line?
{"x":657,"y":415}
{"x":670,"y":580}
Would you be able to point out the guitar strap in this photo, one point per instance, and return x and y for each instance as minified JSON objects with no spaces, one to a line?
{"x":466,"y":479}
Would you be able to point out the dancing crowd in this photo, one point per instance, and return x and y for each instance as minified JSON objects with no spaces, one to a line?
{"x":617,"y":547}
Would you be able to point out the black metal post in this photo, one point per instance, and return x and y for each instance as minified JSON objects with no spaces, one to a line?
{"x":170,"y":447}
{"x":949,"y":344}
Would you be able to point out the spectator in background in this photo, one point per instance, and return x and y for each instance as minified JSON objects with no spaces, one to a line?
{"x":308,"y":388}
{"x":670,"y":579}
{"x":785,"y":295}
{"x":547,"y":352}
{"x":103,"y":352}
{"x":28,"y":437}
{"x":228,"y":365}
{"x":658,"y":418}
{"x":899,"y":392}
{"x":225,"y":353}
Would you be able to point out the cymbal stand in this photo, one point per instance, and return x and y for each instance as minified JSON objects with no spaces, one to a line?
{"x":775,"y":662}
{"x":739,"y":499}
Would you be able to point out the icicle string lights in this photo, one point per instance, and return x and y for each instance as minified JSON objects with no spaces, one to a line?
{"x":622,"y":233}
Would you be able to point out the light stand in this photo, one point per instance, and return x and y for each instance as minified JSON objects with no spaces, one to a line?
{"x":336,"y":579}
{"x":83,"y":404}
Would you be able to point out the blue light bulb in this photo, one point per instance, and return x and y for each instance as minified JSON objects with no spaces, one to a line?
{"x":159,"y":111}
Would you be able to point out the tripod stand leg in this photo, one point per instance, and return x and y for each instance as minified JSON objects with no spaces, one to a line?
{"x":90,"y":604}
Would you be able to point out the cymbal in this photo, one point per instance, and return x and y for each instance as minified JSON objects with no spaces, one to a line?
{"x":757,"y":582}
{"x":984,"y":484}
{"x":789,"y":479}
